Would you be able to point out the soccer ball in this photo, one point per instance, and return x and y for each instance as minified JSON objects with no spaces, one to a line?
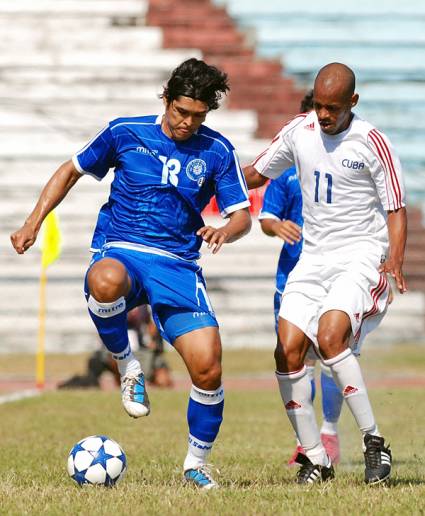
{"x":97,"y":460}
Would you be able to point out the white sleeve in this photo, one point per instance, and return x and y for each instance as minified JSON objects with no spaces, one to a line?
{"x":264,"y":215}
{"x":278,"y":156}
{"x":386,"y":172}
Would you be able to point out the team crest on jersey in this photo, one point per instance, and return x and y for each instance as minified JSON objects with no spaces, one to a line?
{"x":196,"y":170}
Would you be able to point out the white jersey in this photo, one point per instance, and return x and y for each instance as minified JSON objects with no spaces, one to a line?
{"x":348,"y":182}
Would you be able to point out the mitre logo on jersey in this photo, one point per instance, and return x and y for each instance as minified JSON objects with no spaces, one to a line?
{"x":145,"y":150}
{"x":196,"y":171}
{"x":355,"y":165}
{"x":309,"y":127}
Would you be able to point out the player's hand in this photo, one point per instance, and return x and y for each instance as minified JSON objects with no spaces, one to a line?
{"x":394,"y":269}
{"x":390,"y":294}
{"x":288,"y":231}
{"x":24,"y":238}
{"x":214,"y":237}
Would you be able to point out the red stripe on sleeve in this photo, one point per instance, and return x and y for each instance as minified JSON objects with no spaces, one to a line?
{"x":385,"y":154}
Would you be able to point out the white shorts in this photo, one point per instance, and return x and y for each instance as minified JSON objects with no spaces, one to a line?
{"x":349,"y":283}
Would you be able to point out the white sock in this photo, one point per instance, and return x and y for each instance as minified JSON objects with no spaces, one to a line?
{"x":329,"y":427}
{"x":310,"y":372}
{"x":197,"y":453}
{"x":128,"y":365}
{"x":295,"y":390}
{"x":348,"y":376}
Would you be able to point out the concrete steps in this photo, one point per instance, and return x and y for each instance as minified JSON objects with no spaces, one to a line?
{"x":45,"y":9}
{"x":56,"y":92}
{"x":255,"y":83}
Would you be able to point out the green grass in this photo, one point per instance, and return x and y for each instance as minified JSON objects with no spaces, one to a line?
{"x":254,"y":443}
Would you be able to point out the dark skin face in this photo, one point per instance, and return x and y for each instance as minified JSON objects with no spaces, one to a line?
{"x":182,"y":118}
{"x":333,"y":103}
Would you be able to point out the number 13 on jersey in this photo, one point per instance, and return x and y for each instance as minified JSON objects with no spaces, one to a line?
{"x":323,"y":177}
{"x":170,"y":170}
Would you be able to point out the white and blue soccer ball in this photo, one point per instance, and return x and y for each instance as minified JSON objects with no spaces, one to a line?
{"x":97,"y":460}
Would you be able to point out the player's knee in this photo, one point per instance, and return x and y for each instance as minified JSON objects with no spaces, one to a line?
{"x":108,"y":280}
{"x":208,"y":376}
{"x":330,"y":343}
{"x":288,"y":357}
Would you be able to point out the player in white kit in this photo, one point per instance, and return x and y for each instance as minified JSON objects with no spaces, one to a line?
{"x":354,"y":233}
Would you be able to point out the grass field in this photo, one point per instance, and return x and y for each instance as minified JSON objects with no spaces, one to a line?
{"x":254,"y":444}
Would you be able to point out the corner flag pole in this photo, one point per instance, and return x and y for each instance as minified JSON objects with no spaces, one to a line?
{"x":40,"y":360}
{"x":51,"y":248}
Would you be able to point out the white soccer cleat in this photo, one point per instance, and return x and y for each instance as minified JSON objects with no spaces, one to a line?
{"x":201,"y":478}
{"x":134,"y":396}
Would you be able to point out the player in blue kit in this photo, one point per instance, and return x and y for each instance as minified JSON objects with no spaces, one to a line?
{"x":282,"y":207}
{"x":167,"y":168}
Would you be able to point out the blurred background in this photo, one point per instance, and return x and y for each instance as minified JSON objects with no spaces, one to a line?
{"x":67,"y":67}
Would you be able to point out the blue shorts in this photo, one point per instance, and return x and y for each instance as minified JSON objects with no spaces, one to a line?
{"x":174,"y":288}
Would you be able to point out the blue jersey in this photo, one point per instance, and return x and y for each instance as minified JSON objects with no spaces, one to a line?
{"x":161,"y":185}
{"x":283,"y":200}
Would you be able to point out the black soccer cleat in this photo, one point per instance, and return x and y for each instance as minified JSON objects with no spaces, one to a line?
{"x":377,"y":459}
{"x":310,"y":473}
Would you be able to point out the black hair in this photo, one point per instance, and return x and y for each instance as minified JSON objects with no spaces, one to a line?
{"x":197,"y":80}
{"x":307,"y":102}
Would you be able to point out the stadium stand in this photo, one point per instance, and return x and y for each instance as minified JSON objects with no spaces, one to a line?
{"x":67,"y":67}
{"x":255,"y":83}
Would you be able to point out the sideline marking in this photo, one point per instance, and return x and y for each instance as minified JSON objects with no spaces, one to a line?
{"x":20,"y":395}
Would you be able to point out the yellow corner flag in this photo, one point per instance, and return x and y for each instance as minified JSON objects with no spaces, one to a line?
{"x":50,"y":251}
{"x":51,"y":246}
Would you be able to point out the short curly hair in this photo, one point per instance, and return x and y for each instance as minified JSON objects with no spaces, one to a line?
{"x":198,"y":80}
{"x":307,"y":102}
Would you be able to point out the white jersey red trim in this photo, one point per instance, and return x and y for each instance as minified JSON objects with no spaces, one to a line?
{"x":348,"y":181}
{"x":297,"y":118}
{"x":384,"y":153}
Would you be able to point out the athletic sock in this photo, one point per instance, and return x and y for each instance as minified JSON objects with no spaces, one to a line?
{"x":348,"y":376}
{"x":329,"y":428}
{"x":332,"y":400}
{"x":204,"y":417}
{"x":295,"y":390}
{"x":110,"y":320}
{"x":310,"y":374}
{"x":127,"y":363}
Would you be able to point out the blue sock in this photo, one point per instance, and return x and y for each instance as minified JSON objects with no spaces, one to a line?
{"x":110,"y":320}
{"x":332,"y":398}
{"x":204,"y":417}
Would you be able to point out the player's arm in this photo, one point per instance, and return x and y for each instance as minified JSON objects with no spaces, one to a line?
{"x":276,"y":158}
{"x":388,"y":178}
{"x":238,"y":225}
{"x":52,"y":194}
{"x":397,"y":232}
{"x":287,"y":230}
{"x":253,"y":178}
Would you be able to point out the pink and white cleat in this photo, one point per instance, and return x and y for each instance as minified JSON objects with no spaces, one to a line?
{"x":292,"y":460}
{"x":331,"y":444}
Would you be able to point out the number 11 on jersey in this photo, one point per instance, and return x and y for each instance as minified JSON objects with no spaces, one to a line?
{"x":328,"y":177}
